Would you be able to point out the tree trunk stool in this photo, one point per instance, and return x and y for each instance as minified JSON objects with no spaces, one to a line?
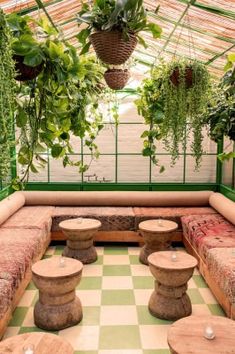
{"x":58,"y":306}
{"x":190,"y":335}
{"x":169,"y":300}
{"x":80,"y":233}
{"x":157,"y":236}
{"x":38,"y":342}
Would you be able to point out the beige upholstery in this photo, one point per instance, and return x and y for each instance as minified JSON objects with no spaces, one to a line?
{"x":118,"y":198}
{"x":224,"y":206}
{"x":10,"y":205}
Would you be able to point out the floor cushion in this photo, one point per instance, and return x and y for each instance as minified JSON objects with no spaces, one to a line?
{"x":111,"y":218}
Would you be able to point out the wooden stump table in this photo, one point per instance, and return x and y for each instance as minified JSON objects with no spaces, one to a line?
{"x":188,"y":335}
{"x":40,"y":343}
{"x":169,"y":300}
{"x":157,"y":236}
{"x":58,"y":306}
{"x":80,"y":233}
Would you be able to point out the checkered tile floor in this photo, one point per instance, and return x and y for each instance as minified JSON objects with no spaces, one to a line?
{"x":114,"y":293}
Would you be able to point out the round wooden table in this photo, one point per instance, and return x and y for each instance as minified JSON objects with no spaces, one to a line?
{"x":187,"y":335}
{"x":169,"y":300}
{"x":58,"y":306}
{"x":80,"y":233}
{"x":157,"y":236}
{"x":43,"y":343}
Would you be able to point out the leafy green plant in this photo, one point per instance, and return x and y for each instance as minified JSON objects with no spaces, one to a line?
{"x":7,"y":98}
{"x":173,"y":109}
{"x":125,"y":16}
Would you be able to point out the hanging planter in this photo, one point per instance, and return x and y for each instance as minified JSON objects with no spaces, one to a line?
{"x":116,"y":79}
{"x":186,"y":76}
{"x":25,"y":72}
{"x":111,"y":47}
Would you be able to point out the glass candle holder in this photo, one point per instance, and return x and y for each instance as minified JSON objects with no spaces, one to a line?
{"x":62,"y":262}
{"x":29,"y":349}
{"x":79,"y":220}
{"x":173,"y":256}
{"x":209,"y":332}
{"x":159,"y":222}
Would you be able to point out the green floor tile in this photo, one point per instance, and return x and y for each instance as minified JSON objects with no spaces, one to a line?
{"x":200,"y":282}
{"x":119,"y":337}
{"x":99,"y":260}
{"x":113,"y":270}
{"x":46,"y":256}
{"x":145,"y":317}
{"x":116,"y":250}
{"x":117,"y":297}
{"x":90,"y":283}
{"x":91,"y":316}
{"x":59,"y":249}
{"x":195,"y":296}
{"x":18,"y":316}
{"x":157,"y":351}
{"x":143,"y":282}
{"x":34,"y":329}
{"x":35,"y":299}
{"x":216,"y":310}
{"x":134,"y":259}
{"x":31,"y":286}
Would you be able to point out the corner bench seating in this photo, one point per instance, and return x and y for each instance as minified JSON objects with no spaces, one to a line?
{"x":29,"y":220}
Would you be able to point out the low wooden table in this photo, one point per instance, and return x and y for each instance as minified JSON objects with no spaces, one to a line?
{"x":157,"y":236}
{"x":187,"y":335}
{"x":80,"y":233}
{"x":169,"y":300}
{"x":43,"y":343}
{"x":58,"y":306}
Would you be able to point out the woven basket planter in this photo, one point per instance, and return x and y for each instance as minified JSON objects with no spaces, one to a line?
{"x":188,"y":76}
{"x":111,"y":48}
{"x":116,"y":79}
{"x":25,"y":72}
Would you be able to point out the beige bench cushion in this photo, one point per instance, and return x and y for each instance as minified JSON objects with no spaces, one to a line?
{"x":10,"y":205}
{"x":224,"y":206}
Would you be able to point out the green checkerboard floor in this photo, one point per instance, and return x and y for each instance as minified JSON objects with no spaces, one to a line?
{"x":114,"y":293}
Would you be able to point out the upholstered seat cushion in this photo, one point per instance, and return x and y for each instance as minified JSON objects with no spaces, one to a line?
{"x":221,"y":265}
{"x":208,"y":231}
{"x":31,"y":217}
{"x":111,"y":218}
{"x":6,"y":294}
{"x":173,"y":213}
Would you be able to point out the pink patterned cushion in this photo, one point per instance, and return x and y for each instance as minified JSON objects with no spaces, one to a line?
{"x":6,"y":295}
{"x":31,"y":217}
{"x":173,"y":213}
{"x":221,"y":264}
{"x":208,"y":231}
{"x":111,"y":218}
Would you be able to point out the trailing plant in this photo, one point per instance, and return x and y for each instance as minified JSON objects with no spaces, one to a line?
{"x":174,"y":109}
{"x":125,"y":16}
{"x":7,"y":98}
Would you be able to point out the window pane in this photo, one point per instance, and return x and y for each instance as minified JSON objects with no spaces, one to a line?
{"x":129,"y":140}
{"x":133,"y":168}
{"x":101,"y":170}
{"x":59,"y":173}
{"x":171,"y":174}
{"x":206,"y":173}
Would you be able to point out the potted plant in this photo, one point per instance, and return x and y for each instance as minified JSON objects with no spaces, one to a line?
{"x":116,"y":78}
{"x":172,"y":111}
{"x":113,"y":28}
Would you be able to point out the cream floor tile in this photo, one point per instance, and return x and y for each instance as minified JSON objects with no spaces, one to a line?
{"x":122,"y":282}
{"x":11,"y":331}
{"x":200,"y":310}
{"x":207,"y":296}
{"x":134,"y":251}
{"x":82,"y":337}
{"x":50,"y":251}
{"x":124,"y":351}
{"x":154,"y":337}
{"x":191,"y":284}
{"x":196,"y":271}
{"x":115,"y":259}
{"x":89,"y":297}
{"x":140,"y":270}
{"x":27,"y":298}
{"x":29,"y":319}
{"x":92,"y":270}
{"x":142,"y":296}
{"x":118,"y":315}
{"x":100,"y":250}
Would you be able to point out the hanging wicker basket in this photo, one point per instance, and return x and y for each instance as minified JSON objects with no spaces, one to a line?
{"x":111,"y":48}
{"x":25,"y":72}
{"x":188,"y":77}
{"x":116,"y":79}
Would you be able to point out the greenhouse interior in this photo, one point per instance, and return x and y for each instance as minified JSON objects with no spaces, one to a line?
{"x":117,"y":176}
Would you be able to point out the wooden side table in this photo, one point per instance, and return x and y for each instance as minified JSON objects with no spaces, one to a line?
{"x":169,"y":299}
{"x":157,"y":236}
{"x":187,"y":335}
{"x":43,"y":343}
{"x":58,"y":306}
{"x":80,"y":233}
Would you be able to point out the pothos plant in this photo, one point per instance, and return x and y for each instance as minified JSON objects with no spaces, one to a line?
{"x":173,"y":108}
{"x":62,"y":101}
{"x":7,"y":98}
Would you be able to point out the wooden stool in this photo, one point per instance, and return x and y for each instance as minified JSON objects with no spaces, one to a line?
{"x":80,"y":233}
{"x":58,"y":306}
{"x":157,"y":236}
{"x":187,"y":335}
{"x":169,"y":299}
